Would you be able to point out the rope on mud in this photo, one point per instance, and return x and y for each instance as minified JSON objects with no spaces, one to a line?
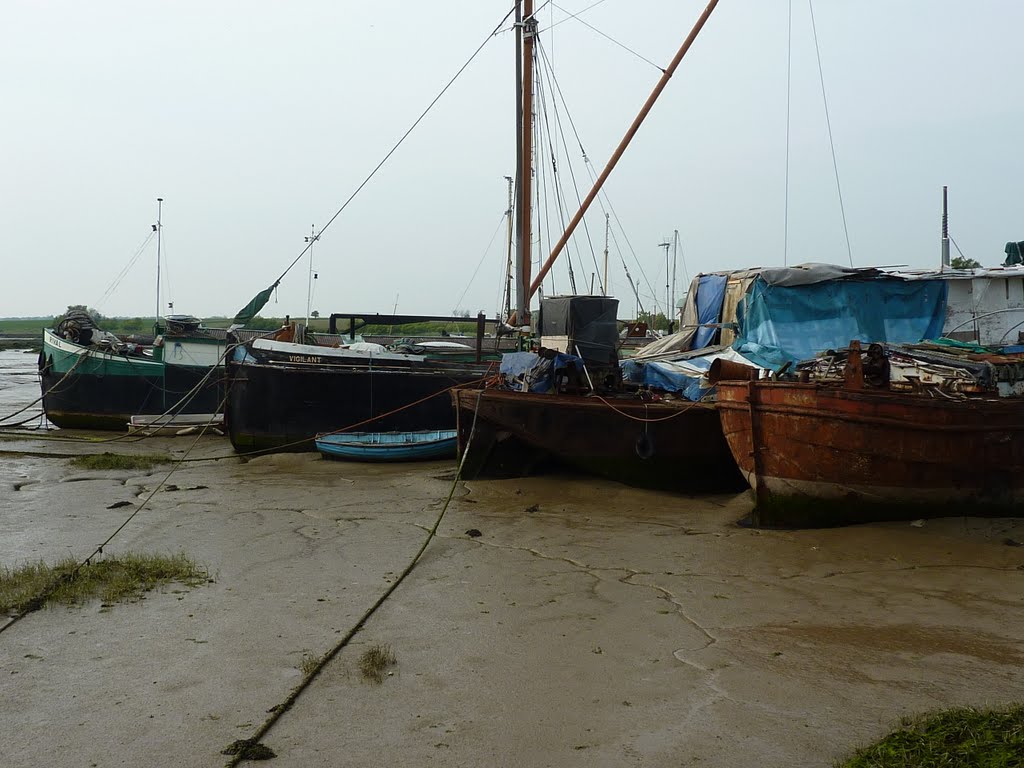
{"x":37,"y":602}
{"x":278,"y":711}
{"x":70,"y":370}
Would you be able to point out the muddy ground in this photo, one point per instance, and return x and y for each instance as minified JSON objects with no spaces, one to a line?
{"x":588,"y":625}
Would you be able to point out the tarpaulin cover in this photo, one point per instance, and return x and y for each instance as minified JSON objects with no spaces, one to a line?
{"x":529,"y":372}
{"x":780,"y":324}
{"x":710,"y":295}
{"x":686,"y":377}
{"x":588,"y":321}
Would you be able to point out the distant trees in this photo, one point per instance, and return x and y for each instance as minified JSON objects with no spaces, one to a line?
{"x":962,"y":262}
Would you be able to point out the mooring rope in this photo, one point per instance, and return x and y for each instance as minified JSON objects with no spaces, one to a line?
{"x":39,"y":599}
{"x":277,"y":712}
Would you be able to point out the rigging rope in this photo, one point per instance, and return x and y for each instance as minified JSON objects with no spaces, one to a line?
{"x":576,"y":17}
{"x":277,"y":712}
{"x":789,"y":90}
{"x":828,"y":122}
{"x":479,"y":264}
{"x":397,"y":144}
{"x":124,"y":272}
{"x":38,"y":600}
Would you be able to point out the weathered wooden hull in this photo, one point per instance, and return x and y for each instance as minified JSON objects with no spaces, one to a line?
{"x":668,"y":446}
{"x":279,"y":403}
{"x":818,"y":455}
{"x":87,"y":389}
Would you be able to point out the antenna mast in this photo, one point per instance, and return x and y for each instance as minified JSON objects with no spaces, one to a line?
{"x":158,"y":227}
{"x":312,"y":238}
{"x":607,"y":227}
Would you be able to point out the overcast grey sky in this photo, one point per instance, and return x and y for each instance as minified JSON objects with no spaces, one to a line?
{"x":255,"y":120}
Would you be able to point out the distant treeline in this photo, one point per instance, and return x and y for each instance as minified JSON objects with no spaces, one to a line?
{"x":33,"y":326}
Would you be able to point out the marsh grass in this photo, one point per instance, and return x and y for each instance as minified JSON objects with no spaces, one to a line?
{"x":375,"y":661}
{"x":954,"y":738}
{"x":309,"y":663}
{"x":112,"y":580}
{"x":106,"y":460}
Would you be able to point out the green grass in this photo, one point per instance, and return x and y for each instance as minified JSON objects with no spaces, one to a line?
{"x":374,"y":662}
{"x":962,"y":737}
{"x":111,"y":580}
{"x":106,"y":460}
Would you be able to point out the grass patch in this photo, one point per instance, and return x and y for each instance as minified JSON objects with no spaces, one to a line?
{"x":112,"y":580}
{"x":309,"y":663}
{"x":952,"y":738}
{"x":375,"y":661}
{"x":107,"y":460}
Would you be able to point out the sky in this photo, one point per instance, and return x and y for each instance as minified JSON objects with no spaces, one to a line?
{"x":255,"y":121}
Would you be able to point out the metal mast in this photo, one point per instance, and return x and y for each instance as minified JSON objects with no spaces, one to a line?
{"x":312,"y":238}
{"x":945,"y":229}
{"x":158,"y":227}
{"x":607,"y":227}
{"x":509,"y":214}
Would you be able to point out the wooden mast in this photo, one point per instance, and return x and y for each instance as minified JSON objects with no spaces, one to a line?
{"x":527,"y":31}
{"x":618,"y":152}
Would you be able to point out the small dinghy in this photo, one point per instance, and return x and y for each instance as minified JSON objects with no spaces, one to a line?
{"x":389,"y":446}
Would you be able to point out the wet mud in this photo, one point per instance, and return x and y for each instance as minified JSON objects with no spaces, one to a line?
{"x":588,"y":624}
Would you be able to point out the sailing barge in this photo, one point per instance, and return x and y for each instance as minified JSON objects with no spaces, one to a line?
{"x":281,"y":394}
{"x":903,"y":434}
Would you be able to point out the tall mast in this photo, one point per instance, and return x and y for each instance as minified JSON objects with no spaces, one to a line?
{"x":945,"y":230}
{"x":158,"y":227}
{"x":666,"y":76}
{"x":607,"y":228}
{"x":519,"y":159}
{"x":510,"y":241}
{"x":675,"y":250}
{"x":313,"y":237}
{"x":527,"y":32}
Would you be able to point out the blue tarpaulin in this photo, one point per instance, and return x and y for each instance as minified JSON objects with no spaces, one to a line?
{"x":686,"y":375}
{"x":780,"y":324}
{"x":710,"y":295}
{"x":535,"y":371}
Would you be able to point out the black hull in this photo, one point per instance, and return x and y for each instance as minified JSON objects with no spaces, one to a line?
{"x":89,"y":401}
{"x":659,"y":446}
{"x":279,"y":407}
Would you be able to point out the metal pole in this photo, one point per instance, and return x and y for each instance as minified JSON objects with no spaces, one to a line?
{"x":313,"y":237}
{"x":622,"y":145}
{"x":607,"y":226}
{"x":945,"y":229}
{"x":509,"y":212}
{"x":159,"y":227}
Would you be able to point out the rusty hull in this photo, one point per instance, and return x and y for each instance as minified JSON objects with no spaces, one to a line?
{"x":829,"y":455}
{"x":675,"y":445}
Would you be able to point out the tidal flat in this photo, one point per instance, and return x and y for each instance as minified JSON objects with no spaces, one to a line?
{"x":589,"y":624}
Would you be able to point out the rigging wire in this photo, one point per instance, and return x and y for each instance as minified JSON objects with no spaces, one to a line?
{"x":789,"y":91}
{"x":603,"y":199}
{"x":127,"y":268}
{"x":591,"y":27}
{"x":550,"y":74}
{"x":544,"y":130}
{"x":828,"y":122}
{"x":487,"y":250}
{"x":400,"y":141}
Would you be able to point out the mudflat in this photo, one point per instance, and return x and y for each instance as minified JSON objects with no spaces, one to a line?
{"x":589,"y":624}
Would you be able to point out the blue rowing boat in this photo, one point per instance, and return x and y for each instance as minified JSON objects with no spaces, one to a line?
{"x":389,"y":446}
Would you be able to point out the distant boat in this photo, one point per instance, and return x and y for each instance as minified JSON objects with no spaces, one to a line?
{"x":420,"y":445}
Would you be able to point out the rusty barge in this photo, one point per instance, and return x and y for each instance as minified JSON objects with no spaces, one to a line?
{"x":885,"y":441}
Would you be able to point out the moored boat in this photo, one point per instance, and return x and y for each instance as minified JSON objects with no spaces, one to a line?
{"x":885,"y":442}
{"x":421,"y":445}
{"x":282,"y":394}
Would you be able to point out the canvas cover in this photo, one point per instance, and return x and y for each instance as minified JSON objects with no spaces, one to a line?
{"x":589,"y":322}
{"x":788,"y":323}
{"x":684,"y":375}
